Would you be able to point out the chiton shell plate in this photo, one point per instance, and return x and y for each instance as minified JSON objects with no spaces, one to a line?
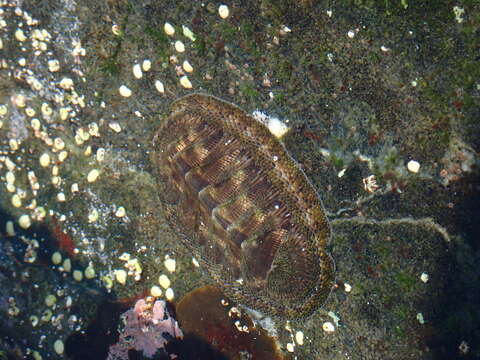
{"x":243,"y":207}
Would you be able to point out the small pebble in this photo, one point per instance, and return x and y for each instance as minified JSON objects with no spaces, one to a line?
{"x":290,"y":347}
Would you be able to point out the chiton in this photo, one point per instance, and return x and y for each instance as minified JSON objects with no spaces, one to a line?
{"x":243,"y":207}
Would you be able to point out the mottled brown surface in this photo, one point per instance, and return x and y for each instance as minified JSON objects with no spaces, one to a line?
{"x":243,"y":207}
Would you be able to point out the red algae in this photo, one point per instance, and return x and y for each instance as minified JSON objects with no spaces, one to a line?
{"x":206,"y":313}
{"x":64,"y":241}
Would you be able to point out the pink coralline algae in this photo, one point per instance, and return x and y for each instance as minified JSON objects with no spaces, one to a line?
{"x":148,"y":327}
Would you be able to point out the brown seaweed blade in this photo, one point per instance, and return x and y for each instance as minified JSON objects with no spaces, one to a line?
{"x":243,"y":207}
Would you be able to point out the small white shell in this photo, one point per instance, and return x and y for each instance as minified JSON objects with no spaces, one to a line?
{"x":125,"y":91}
{"x":223,"y":11}
{"x":169,"y":29}
{"x":187,"y":66}
{"x":185,"y":82}
{"x":179,"y":46}
{"x":137,"y":71}
{"x":159,"y":86}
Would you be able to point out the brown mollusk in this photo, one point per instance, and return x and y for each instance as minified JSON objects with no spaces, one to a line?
{"x":243,"y":207}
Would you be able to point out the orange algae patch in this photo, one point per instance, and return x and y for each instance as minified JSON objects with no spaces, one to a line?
{"x":203,"y":312}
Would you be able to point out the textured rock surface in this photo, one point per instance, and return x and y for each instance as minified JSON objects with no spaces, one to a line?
{"x":366,"y":86}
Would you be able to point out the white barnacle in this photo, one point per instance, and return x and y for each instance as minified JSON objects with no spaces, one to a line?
{"x":170,"y":264}
{"x":169,"y":29}
{"x":187,"y":66}
{"x":115,"y":126}
{"x":164,"y":281}
{"x":299,"y":337}
{"x":169,"y":295}
{"x":179,"y":46}
{"x":223,"y":11}
{"x":44,"y":160}
{"x":66,"y":83}
{"x":156,"y":291}
{"x":20,"y":35}
{"x":24,"y":221}
{"x":146,"y":65}
{"x":188,"y":33}
{"x":93,"y":175}
{"x":125,"y":91}
{"x":137,"y":71}
{"x":185,"y":82}
{"x":413,"y":166}
{"x":159,"y":86}
{"x":328,"y":327}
